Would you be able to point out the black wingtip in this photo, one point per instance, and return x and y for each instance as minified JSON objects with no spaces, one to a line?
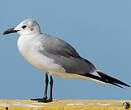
{"x":111,"y":80}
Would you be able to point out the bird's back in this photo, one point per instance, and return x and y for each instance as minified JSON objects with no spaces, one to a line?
{"x":65,"y":55}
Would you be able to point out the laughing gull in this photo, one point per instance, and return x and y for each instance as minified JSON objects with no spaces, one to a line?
{"x":56,"y":57}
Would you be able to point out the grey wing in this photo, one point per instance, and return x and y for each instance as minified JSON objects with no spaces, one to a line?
{"x":59,"y":47}
{"x":66,"y":56}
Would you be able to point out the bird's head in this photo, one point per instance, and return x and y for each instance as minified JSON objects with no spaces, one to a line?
{"x":26,"y":27}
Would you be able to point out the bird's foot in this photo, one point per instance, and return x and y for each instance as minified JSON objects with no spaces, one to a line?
{"x":50,"y":100}
{"x":45,"y":100}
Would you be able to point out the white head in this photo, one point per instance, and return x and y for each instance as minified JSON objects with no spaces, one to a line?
{"x":26,"y":27}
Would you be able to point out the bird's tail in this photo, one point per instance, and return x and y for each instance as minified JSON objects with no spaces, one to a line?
{"x":108,"y":79}
{"x":102,"y":77}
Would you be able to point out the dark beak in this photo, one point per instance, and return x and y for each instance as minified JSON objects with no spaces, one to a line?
{"x":10,"y":31}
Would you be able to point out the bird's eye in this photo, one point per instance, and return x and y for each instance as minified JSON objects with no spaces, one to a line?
{"x":24,"y":26}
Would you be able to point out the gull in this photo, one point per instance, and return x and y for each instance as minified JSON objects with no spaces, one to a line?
{"x":55,"y":57}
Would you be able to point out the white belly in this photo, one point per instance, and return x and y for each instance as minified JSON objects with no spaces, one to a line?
{"x":29,"y":48}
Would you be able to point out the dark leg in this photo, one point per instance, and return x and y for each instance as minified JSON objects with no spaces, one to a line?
{"x":51,"y":88}
{"x":44,"y":99}
{"x":46,"y":86}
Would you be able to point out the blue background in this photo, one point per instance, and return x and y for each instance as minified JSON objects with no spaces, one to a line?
{"x":100,"y":30}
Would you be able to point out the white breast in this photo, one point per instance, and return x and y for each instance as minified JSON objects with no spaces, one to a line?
{"x":29,"y":47}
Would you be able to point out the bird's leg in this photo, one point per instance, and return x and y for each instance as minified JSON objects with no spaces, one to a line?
{"x":51,"y":88}
{"x":46,"y":86}
{"x":44,"y":99}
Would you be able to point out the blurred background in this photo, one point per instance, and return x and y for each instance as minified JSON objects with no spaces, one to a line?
{"x":100,"y":30}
